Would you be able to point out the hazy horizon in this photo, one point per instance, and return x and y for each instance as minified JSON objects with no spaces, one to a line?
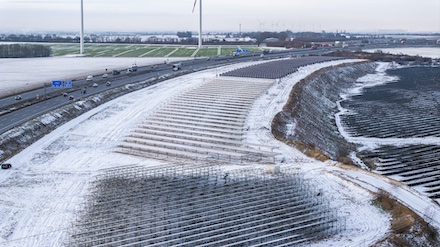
{"x":374,"y":16}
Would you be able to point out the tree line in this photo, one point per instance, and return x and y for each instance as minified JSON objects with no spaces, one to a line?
{"x":24,"y":51}
{"x":38,"y":38}
{"x":285,"y":38}
{"x":53,"y":38}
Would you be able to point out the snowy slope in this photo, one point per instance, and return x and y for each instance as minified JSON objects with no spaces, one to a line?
{"x":42,"y":192}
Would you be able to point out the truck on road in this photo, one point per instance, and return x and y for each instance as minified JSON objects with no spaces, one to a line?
{"x":133,"y":68}
{"x":177,"y":66}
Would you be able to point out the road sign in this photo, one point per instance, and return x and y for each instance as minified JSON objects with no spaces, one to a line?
{"x":57,"y":83}
{"x":67,"y":84}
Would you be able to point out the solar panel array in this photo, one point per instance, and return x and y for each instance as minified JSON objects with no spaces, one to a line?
{"x":402,"y":111}
{"x":203,"y":206}
{"x":276,"y":69}
{"x":204,"y":123}
{"x":415,"y":165}
{"x":198,"y":205}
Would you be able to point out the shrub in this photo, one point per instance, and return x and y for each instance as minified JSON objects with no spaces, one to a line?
{"x":405,"y":224}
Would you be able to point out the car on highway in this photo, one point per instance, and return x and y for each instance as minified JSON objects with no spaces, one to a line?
{"x":95,"y":84}
{"x":71,"y":97}
{"x":18,"y":97}
{"x":108,"y":83}
{"x":6,"y":166}
{"x":105,"y":75}
{"x":89,"y":78}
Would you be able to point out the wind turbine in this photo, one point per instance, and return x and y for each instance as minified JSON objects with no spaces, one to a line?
{"x":261,"y":25}
{"x":81,"y":38}
{"x":200,"y":20}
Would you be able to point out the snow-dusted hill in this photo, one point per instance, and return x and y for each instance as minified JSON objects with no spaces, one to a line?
{"x":42,"y":194}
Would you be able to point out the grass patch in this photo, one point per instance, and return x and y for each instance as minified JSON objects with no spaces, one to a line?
{"x":207,"y":52}
{"x":184,"y":52}
{"x":370,"y":163}
{"x":407,"y":228}
{"x":310,"y":151}
{"x":228,"y":50}
{"x":99,"y":53}
{"x":147,"y":51}
{"x":161,"y":52}
{"x":65,"y":52}
{"x":137,"y":50}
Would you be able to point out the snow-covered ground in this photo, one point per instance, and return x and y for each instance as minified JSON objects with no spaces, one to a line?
{"x":43,"y":191}
{"x":432,"y":52}
{"x":18,"y":74}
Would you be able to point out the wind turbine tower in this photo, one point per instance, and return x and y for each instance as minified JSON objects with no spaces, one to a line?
{"x":200,"y":21}
{"x":81,"y":38}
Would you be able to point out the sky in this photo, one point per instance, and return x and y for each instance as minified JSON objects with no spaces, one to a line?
{"x":221,"y":15}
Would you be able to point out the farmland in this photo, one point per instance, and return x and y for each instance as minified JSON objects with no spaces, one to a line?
{"x":143,"y":50}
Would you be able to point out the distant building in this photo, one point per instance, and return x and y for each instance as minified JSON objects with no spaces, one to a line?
{"x":270,"y":40}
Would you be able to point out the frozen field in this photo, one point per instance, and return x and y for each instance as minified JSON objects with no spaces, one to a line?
{"x":432,"y":52}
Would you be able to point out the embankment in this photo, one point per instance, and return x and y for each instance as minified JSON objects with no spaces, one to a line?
{"x":20,"y":137}
{"x":308,"y":119}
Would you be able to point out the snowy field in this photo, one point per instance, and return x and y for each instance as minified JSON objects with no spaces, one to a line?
{"x":431,"y":52}
{"x":42,"y":193}
{"x":18,"y":74}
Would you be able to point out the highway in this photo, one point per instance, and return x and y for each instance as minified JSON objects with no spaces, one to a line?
{"x":40,"y":101}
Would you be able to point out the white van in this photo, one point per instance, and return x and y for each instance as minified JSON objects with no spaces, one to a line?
{"x":89,"y":78}
{"x":133,"y":68}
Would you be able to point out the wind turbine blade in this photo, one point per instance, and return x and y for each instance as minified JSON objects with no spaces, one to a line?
{"x":194,"y":7}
